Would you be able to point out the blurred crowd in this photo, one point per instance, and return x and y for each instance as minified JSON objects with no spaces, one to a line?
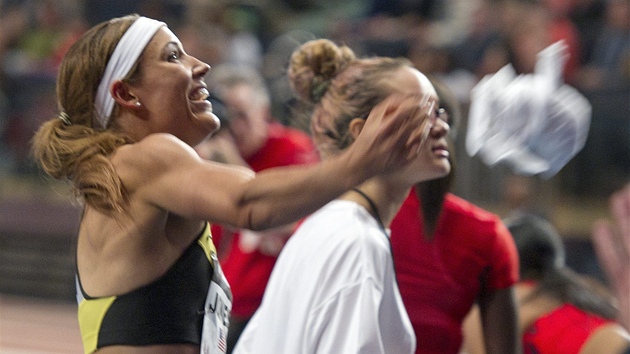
{"x":456,"y":41}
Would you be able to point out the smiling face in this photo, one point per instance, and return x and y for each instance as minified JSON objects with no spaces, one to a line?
{"x":172,"y":90}
{"x":432,"y":160}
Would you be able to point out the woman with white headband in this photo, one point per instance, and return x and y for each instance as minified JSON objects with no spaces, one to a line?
{"x":132,"y":104}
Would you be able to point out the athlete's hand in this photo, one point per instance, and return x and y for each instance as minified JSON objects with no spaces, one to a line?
{"x":394,"y":132}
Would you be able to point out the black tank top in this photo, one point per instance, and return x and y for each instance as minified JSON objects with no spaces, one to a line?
{"x":168,"y":311}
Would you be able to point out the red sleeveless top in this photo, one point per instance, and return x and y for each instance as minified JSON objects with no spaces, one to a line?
{"x":563,"y":330}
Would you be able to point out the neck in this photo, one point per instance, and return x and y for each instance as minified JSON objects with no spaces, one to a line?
{"x":387,"y":200}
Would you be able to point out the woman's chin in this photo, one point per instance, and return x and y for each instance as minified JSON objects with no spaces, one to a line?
{"x":436,"y":171}
{"x":209,"y":121}
{"x":446,"y":168}
{"x":443,"y":170}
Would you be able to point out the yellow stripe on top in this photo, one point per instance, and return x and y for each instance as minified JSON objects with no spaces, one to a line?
{"x":205,"y":241}
{"x":91,"y":314}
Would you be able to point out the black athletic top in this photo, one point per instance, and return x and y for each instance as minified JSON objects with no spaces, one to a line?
{"x":168,"y":311}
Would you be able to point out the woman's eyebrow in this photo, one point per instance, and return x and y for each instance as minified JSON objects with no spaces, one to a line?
{"x":171,"y":44}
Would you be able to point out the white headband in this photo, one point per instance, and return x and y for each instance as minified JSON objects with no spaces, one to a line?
{"x":123,"y":58}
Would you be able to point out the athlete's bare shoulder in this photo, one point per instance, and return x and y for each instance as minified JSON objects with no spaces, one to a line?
{"x":142,"y":161}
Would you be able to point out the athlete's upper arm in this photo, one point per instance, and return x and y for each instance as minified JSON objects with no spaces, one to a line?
{"x":169,"y":174}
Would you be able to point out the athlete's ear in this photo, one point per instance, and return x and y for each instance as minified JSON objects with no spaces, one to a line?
{"x":121,"y":92}
{"x":356,"y":125}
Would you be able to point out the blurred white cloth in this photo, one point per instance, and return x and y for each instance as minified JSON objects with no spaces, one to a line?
{"x":535,"y":123}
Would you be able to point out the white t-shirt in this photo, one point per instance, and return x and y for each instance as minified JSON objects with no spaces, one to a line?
{"x":332,"y":290}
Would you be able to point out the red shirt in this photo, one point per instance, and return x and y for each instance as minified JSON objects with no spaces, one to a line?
{"x":563,"y":330}
{"x":248,"y":271}
{"x":440,"y":279}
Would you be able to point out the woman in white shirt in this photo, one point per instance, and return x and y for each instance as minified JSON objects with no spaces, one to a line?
{"x":333,"y":289}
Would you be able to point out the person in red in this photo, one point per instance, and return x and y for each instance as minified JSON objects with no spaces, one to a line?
{"x":449,"y":254}
{"x":248,"y":257}
{"x":560,"y":310}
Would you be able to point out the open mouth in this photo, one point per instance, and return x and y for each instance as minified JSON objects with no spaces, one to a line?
{"x":199,"y":94}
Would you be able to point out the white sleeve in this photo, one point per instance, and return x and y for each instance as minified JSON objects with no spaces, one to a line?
{"x":348,"y":322}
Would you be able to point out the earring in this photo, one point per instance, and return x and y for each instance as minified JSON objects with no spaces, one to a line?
{"x":137,"y":104}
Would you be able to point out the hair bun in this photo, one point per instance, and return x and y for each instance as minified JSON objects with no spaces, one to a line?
{"x":314,"y":65}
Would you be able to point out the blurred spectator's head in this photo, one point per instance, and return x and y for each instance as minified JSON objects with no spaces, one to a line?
{"x":244,"y":94}
{"x":539,"y":246}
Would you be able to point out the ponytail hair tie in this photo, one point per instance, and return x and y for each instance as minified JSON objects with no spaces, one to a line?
{"x":65,"y":118}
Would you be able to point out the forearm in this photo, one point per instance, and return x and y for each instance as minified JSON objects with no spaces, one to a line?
{"x":280,"y":196}
{"x":390,"y":137}
{"x":177,"y":180}
{"x":500,"y":322}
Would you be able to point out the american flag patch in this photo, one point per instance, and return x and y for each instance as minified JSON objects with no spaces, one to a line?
{"x":222,"y":339}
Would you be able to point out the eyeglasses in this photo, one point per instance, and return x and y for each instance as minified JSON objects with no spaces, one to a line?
{"x":441,"y":114}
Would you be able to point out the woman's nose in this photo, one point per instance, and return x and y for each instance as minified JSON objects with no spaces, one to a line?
{"x":440,"y":128}
{"x":200,"y":68}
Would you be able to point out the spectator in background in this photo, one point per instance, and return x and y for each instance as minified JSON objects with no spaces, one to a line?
{"x":560,"y":311}
{"x":608,"y":66}
{"x":562,"y":27}
{"x":13,"y":23}
{"x":262,"y":143}
{"x":525,"y":26}
{"x":588,"y":16}
{"x":52,"y":28}
{"x":484,"y":33}
{"x":514,"y":31}
{"x":450,"y":254}
{"x":603,"y":166}
{"x":34,"y":37}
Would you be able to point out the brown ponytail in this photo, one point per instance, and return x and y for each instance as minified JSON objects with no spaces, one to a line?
{"x":71,"y":148}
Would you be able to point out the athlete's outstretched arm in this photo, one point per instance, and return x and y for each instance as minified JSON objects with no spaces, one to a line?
{"x":178,"y":180}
